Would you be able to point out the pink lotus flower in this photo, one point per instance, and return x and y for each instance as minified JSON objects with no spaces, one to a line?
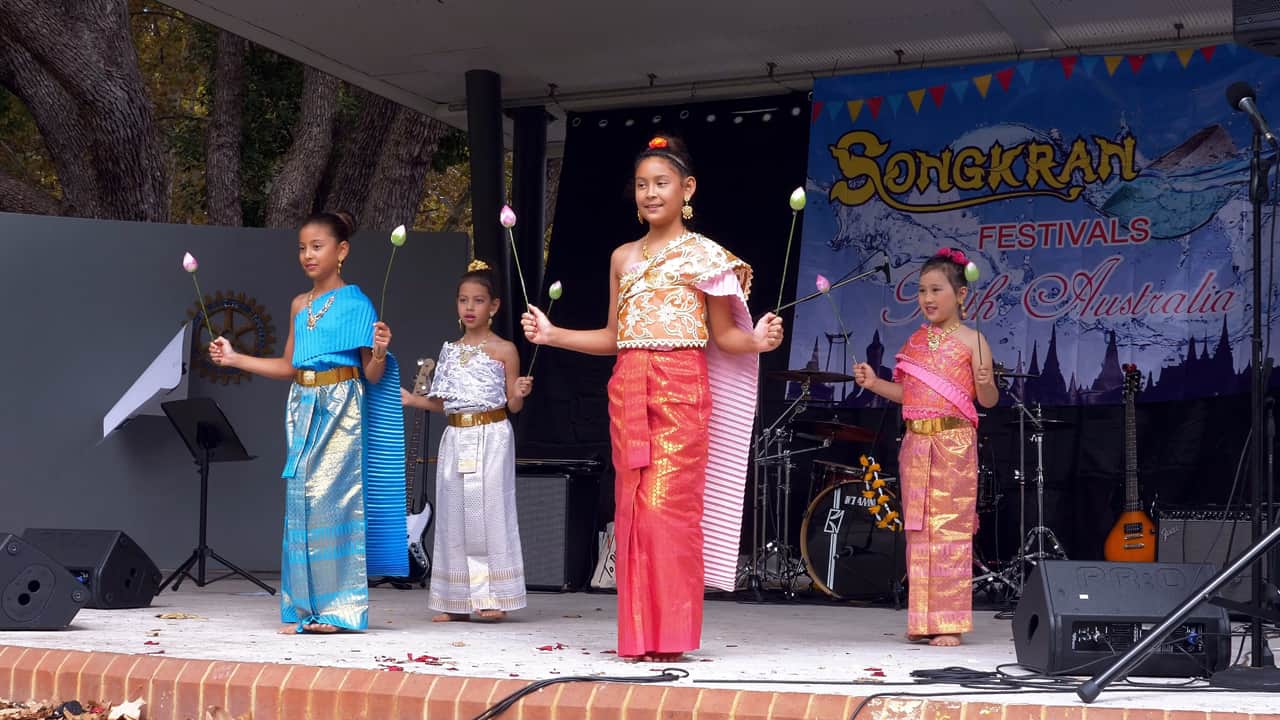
{"x":507,"y":217}
{"x":823,"y":284}
{"x":189,"y":263}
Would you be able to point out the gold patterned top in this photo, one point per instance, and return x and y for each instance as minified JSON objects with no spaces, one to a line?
{"x":662,"y":301}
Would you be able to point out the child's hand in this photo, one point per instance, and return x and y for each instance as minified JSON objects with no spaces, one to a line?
{"x":406,"y":398}
{"x":381,"y":339}
{"x":537,"y":328}
{"x":864,"y":375}
{"x":768,"y":333}
{"x":524,"y":386}
{"x":221,"y":352}
{"x":983,"y":376}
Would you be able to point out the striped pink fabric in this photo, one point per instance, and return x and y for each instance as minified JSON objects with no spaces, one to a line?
{"x":733,"y":405}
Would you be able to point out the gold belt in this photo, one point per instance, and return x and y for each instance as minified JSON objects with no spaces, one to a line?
{"x":477,"y":418}
{"x":933,"y":426}
{"x":311,"y":378}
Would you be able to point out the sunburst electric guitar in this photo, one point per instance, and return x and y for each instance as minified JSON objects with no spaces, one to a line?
{"x":1133,"y":539}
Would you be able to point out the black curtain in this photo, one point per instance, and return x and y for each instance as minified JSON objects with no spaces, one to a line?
{"x":748,"y":156}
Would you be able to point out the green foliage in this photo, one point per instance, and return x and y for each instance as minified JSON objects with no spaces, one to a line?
{"x":272,"y":100}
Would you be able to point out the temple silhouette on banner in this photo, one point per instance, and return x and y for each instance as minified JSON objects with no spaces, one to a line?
{"x":1200,"y":371}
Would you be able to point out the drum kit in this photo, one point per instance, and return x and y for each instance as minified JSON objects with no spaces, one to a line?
{"x":848,"y":550}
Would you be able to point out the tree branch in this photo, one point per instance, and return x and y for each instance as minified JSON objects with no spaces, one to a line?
{"x":20,"y":197}
{"x":222,"y":154}
{"x":293,"y":190}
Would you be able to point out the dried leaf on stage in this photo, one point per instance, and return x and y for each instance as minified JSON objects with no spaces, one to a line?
{"x":179,"y":616}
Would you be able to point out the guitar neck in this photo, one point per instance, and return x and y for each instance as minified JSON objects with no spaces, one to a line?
{"x":413,"y":458}
{"x":1132,"y":500}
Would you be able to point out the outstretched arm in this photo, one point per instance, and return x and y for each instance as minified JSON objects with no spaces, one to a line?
{"x":604,"y":341}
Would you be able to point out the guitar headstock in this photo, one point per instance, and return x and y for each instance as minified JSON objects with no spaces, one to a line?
{"x":422,"y":381}
{"x":1132,"y":380}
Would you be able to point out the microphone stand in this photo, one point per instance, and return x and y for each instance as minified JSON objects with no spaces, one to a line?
{"x":1256,"y":676}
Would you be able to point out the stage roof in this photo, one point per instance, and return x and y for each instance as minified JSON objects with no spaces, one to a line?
{"x":594,"y":54}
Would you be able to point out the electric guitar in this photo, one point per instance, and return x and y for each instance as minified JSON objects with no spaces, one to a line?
{"x":1133,"y":539}
{"x":415,"y":464}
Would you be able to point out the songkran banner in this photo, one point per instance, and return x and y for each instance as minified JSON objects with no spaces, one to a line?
{"x":1103,"y":198}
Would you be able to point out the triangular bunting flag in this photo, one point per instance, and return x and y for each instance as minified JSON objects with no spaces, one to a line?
{"x":1004,"y":77}
{"x":895,"y":101}
{"x":855,"y":109}
{"x":960,"y":87}
{"x":833,"y":109}
{"x":1207,"y":52}
{"x":1135,"y":62}
{"x":817,"y":110}
{"x":1089,"y":62}
{"x":1159,"y":60}
{"x":938,"y":92}
{"x":917,"y":97}
{"x":1113,"y":62}
{"x":1185,"y":55}
{"x":983,"y":83}
{"x":1068,"y":65}
{"x":1025,"y":69}
{"x":874,"y":104}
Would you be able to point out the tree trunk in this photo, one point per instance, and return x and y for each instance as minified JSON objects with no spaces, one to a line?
{"x":359,"y":154}
{"x":396,"y":190}
{"x":553,"y":187}
{"x":74,"y":65}
{"x":222,"y":152}
{"x":293,"y":191}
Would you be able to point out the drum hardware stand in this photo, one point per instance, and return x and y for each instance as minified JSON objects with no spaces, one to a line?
{"x":773,"y":448}
{"x":1034,"y":547}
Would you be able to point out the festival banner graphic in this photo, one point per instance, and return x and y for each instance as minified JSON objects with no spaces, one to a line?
{"x":1104,"y":200}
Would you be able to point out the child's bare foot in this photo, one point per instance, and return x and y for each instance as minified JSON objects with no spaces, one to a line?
{"x":290,"y":629}
{"x":665,"y":657}
{"x":492,"y":615}
{"x":945,"y":640}
{"x":911,"y":637}
{"x":450,"y":617}
{"x":320,"y":628}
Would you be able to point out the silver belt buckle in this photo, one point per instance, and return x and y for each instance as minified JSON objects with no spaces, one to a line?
{"x":308,"y":377}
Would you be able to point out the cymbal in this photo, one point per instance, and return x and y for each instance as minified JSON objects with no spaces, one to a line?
{"x":1046,"y":423}
{"x":812,"y":376}
{"x":839,"y":431}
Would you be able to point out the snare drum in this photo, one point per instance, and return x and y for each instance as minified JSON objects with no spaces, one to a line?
{"x":829,"y":473}
{"x":845,"y":553}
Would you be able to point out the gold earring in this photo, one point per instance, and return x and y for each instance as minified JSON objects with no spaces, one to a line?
{"x":491,"y":321}
{"x":461,"y":327}
{"x":339,"y":266}
{"x":639,"y":217}
{"x":686,"y":212}
{"x":961,"y":310}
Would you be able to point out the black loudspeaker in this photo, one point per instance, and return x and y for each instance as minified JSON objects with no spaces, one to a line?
{"x":556,"y":512}
{"x":109,"y":563}
{"x":36,"y":592}
{"x":1208,"y":537}
{"x":1075,"y":618}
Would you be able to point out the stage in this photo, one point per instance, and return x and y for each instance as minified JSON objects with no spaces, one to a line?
{"x":757,"y":661}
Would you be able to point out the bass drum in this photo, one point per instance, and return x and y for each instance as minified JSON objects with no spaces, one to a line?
{"x":846,"y":555}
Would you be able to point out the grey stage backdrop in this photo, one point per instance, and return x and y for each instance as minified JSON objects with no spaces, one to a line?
{"x":91,"y":303}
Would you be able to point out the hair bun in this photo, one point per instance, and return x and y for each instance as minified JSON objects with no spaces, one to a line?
{"x":347,"y":219}
{"x":478,"y":265}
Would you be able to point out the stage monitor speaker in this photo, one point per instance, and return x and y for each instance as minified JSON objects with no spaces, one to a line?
{"x":1075,"y":618}
{"x":1208,"y":537}
{"x":109,"y":563}
{"x":36,"y":592}
{"x":556,"y":512}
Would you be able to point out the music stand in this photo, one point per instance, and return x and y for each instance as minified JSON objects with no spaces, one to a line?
{"x":209,"y":438}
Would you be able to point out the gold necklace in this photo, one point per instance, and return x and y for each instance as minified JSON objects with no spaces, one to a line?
{"x":313,"y":318}
{"x":935,"y":339}
{"x":644,"y":243}
{"x":467,"y":352}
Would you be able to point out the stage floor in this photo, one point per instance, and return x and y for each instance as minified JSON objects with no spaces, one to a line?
{"x":773,"y":648}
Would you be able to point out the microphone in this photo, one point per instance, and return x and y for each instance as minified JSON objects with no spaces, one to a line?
{"x":885,"y":267}
{"x":1242,"y":98}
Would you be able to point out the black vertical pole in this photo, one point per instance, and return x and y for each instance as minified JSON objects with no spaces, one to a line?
{"x":488,"y":186}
